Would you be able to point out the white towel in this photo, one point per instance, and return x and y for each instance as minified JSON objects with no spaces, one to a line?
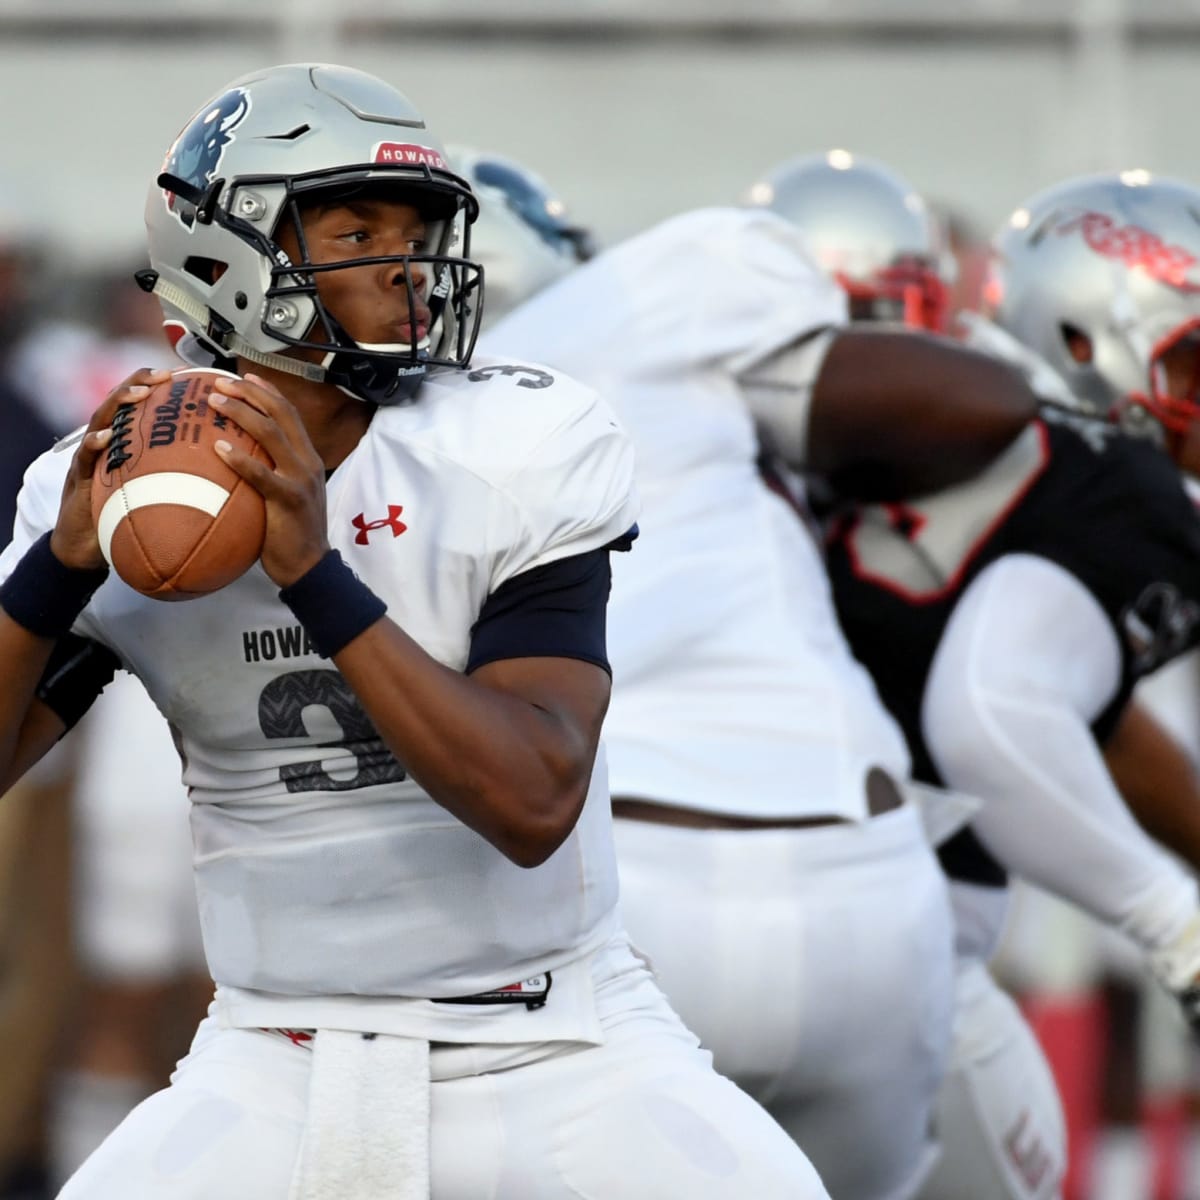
{"x":943,"y":812}
{"x":367,"y":1132}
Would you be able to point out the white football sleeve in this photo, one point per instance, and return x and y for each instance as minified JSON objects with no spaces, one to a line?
{"x":1027,"y":662}
{"x":574,"y":493}
{"x":37,"y":503}
{"x":778,"y":392}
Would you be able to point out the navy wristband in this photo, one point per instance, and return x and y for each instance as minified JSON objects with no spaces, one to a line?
{"x":332,"y":604}
{"x":44,"y":596}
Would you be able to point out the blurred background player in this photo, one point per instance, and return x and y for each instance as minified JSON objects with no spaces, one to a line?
{"x":760,"y":827}
{"x":1001,"y":1087}
{"x":525,"y":232}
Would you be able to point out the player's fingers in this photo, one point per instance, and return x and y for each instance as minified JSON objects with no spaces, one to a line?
{"x":291,"y":455}
{"x":130,"y":390}
{"x":94,"y":444}
{"x":254,"y":471}
{"x":258,"y":389}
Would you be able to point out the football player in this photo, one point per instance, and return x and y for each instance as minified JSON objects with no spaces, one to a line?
{"x":769,"y":865}
{"x":1020,"y":609}
{"x":403,"y":849}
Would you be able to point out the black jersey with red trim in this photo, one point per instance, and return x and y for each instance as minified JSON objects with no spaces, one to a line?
{"x":1108,"y":508}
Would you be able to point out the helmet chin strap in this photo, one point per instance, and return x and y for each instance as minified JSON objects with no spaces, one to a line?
{"x":238,"y":346}
{"x":341,"y":374}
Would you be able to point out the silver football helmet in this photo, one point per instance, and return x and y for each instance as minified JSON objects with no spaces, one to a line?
{"x":258,"y":150}
{"x":524,"y":237}
{"x":1101,"y":277}
{"x":869,"y":230}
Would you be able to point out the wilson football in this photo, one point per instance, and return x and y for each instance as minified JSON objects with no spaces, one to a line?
{"x":174,"y":521}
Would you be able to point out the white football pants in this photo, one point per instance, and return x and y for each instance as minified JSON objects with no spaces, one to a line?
{"x":999,"y":1120}
{"x":642,"y":1117}
{"x":817,"y":965}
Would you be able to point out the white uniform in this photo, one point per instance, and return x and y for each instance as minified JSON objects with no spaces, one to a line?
{"x":336,"y":895}
{"x":735,"y":694}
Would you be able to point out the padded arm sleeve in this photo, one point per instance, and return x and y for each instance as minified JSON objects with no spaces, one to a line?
{"x":778,"y":392}
{"x":1027,"y":662}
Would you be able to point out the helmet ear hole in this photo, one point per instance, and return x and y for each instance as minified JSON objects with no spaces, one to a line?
{"x":1078,"y":344}
{"x":207,"y":270}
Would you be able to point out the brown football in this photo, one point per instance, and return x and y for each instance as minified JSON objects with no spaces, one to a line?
{"x":174,"y":521}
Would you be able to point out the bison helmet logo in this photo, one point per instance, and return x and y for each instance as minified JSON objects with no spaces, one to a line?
{"x":198,"y":150}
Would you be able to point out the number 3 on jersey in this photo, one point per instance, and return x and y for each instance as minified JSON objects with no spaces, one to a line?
{"x":281,"y":714}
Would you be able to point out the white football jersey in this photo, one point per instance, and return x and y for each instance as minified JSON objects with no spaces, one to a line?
{"x":734,"y":690}
{"x":321,"y":868}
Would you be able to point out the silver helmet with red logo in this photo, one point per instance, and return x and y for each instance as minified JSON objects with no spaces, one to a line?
{"x":1101,"y":277}
{"x":241,"y":170}
{"x":870,"y":230}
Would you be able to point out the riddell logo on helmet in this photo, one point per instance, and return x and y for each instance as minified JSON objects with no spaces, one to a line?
{"x":406,"y":154}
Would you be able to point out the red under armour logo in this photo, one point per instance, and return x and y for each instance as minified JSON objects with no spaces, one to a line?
{"x":391,"y":521}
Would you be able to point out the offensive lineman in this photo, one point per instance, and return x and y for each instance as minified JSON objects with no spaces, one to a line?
{"x":769,"y":868}
{"x":1021,"y":608}
{"x":401,"y":828}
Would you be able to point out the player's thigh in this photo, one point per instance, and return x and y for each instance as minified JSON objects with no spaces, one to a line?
{"x":860,"y":1092}
{"x":662,"y":1131}
{"x":999,"y":1120}
{"x":642,"y":1117}
{"x":229,"y":1126}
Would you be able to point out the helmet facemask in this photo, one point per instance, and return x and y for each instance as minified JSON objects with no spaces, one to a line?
{"x":1173,"y":395}
{"x":908,"y":292}
{"x":442,"y":312}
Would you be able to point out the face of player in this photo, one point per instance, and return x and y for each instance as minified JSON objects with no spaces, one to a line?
{"x":1180,"y":374}
{"x":371,"y":302}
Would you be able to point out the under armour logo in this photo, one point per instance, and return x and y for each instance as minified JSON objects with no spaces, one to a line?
{"x":391,"y":521}
{"x":1027,"y":1152}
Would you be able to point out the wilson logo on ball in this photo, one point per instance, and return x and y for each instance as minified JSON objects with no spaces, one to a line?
{"x":175,"y":521}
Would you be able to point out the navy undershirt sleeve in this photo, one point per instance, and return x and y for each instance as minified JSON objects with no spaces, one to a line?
{"x":77,"y":672}
{"x":553,"y":611}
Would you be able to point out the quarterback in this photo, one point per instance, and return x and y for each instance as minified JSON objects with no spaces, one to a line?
{"x":400,"y":817}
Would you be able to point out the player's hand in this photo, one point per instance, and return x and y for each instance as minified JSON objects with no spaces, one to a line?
{"x":1177,"y":968}
{"x":74,"y":541}
{"x":297,"y":535}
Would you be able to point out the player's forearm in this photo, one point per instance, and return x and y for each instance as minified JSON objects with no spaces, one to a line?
{"x":1026,"y":663}
{"x":1158,"y":781}
{"x":897,"y":414}
{"x":514,"y":772}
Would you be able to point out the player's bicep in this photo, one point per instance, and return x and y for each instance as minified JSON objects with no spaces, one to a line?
{"x":896,"y":413}
{"x":541,"y":636}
